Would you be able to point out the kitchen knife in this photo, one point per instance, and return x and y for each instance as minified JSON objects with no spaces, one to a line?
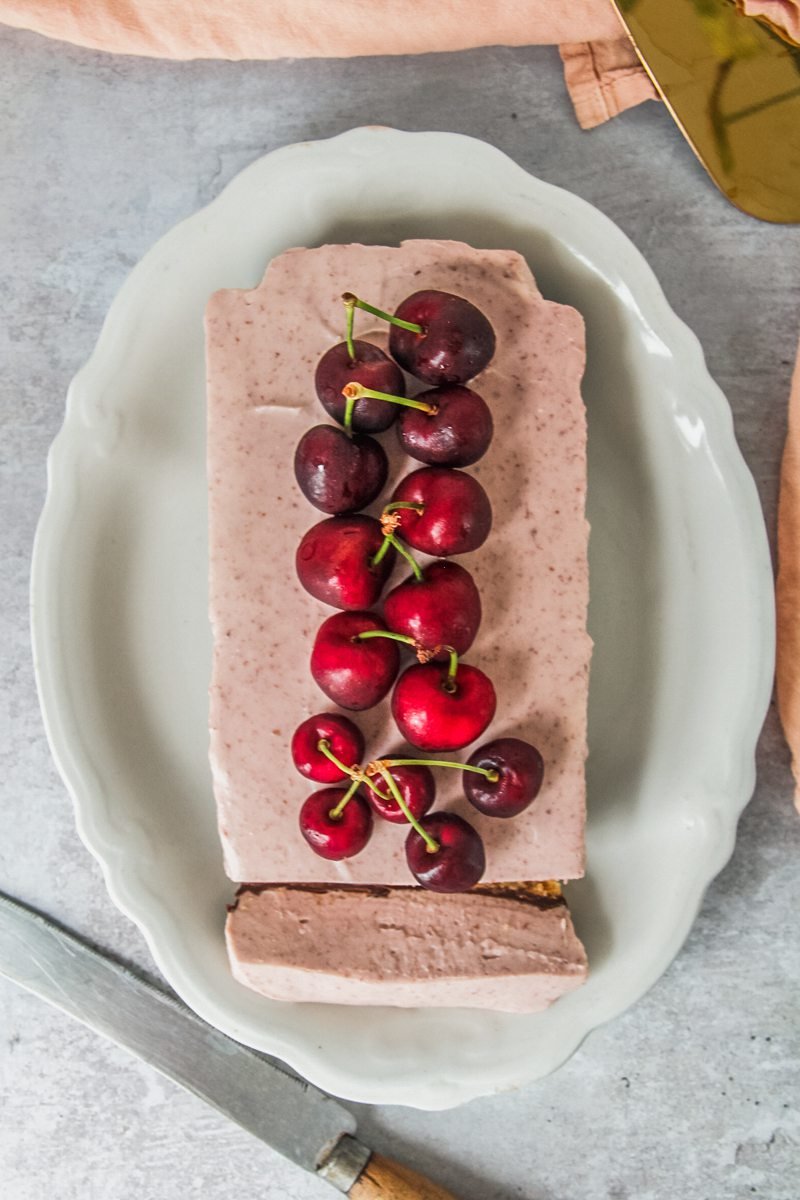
{"x":732,"y":83}
{"x":292,"y":1116}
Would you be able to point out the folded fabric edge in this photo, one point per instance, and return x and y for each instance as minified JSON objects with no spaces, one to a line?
{"x":604,"y":79}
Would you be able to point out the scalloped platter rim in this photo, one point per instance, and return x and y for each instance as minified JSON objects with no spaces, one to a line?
{"x":681,"y":610}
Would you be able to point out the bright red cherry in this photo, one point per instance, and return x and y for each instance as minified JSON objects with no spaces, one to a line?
{"x":457,"y":340}
{"x":456,"y":516}
{"x":344,"y":738}
{"x":334,"y":562}
{"x":443,"y":609}
{"x":417,"y":786}
{"x":457,"y":434}
{"x":434,"y":714}
{"x":520,"y":771}
{"x":354,"y":673}
{"x":339,"y":836}
{"x":372,"y":369}
{"x":339,"y":474}
{"x":459,"y":862}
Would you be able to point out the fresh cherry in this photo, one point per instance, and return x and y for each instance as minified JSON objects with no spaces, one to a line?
{"x":337,"y":473}
{"x":343,"y":738}
{"x":519,"y":769}
{"x":355,"y":673}
{"x":417,"y":787}
{"x":457,"y":341}
{"x":435,"y":712}
{"x":457,"y":434}
{"x":334,"y":561}
{"x":371,"y":368}
{"x":459,"y":860}
{"x":456,"y":514}
{"x":341,"y":835}
{"x":444,"y":609}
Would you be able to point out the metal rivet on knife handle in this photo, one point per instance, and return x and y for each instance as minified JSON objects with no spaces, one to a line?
{"x":345,"y":1163}
{"x":355,"y":1170}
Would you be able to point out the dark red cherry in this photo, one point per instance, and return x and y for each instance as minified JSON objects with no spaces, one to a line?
{"x":444,"y":609}
{"x":372,"y":369}
{"x":457,"y":515}
{"x":456,"y":435}
{"x":335,"y":837}
{"x":354,"y":673}
{"x":334,"y":562}
{"x":435,"y":715}
{"x":339,"y":474}
{"x":417,"y":786}
{"x":520,"y":770}
{"x":459,"y":862}
{"x":457,"y":340}
{"x":343,"y":737}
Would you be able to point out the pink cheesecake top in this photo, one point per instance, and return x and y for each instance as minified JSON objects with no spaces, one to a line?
{"x":263,"y":346}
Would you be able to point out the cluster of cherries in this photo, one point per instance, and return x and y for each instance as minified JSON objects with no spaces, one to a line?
{"x":440,"y":703}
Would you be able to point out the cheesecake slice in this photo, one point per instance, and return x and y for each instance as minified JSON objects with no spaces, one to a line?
{"x":262,"y":347}
{"x":511,"y":949}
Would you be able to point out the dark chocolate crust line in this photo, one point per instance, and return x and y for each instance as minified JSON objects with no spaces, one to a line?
{"x":515,"y":893}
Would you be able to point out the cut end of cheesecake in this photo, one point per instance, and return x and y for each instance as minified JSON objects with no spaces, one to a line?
{"x":508,"y":948}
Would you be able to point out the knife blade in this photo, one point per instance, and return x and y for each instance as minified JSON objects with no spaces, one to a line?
{"x":289,"y":1114}
{"x":732,"y":84}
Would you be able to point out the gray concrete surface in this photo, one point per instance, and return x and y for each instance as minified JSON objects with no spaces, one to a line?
{"x":693,"y":1093}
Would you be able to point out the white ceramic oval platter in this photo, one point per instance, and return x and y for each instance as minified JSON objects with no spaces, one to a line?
{"x":681,"y":609}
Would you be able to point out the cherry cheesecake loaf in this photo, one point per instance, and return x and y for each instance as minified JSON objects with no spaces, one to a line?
{"x":365,"y":926}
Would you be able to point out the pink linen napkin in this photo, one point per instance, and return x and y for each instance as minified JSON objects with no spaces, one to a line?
{"x":784,"y":15}
{"x":604,"y":78}
{"x":602,"y":71}
{"x":788,"y":584}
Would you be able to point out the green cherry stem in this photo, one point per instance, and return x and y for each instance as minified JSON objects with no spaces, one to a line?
{"x":390,"y":540}
{"x":348,"y":414}
{"x":336,"y":812}
{"x":397,"y":505}
{"x":354,"y":391}
{"x":357,"y":391}
{"x":354,"y":773}
{"x":324,"y":747}
{"x":349,"y":298}
{"x":388,"y":524}
{"x":452,"y":669}
{"x":431,"y":843}
{"x":492,"y":776}
{"x":424,"y":653}
{"x":385,"y":633}
{"x":350,"y":310}
{"x":381,"y":553}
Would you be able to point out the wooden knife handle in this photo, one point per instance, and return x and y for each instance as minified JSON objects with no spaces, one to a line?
{"x":383,"y":1179}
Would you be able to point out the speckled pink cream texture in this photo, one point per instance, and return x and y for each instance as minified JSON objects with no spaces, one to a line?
{"x":263,"y":346}
{"x":405,"y":947}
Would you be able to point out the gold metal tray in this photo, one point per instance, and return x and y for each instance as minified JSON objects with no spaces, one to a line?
{"x":732,"y":83}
